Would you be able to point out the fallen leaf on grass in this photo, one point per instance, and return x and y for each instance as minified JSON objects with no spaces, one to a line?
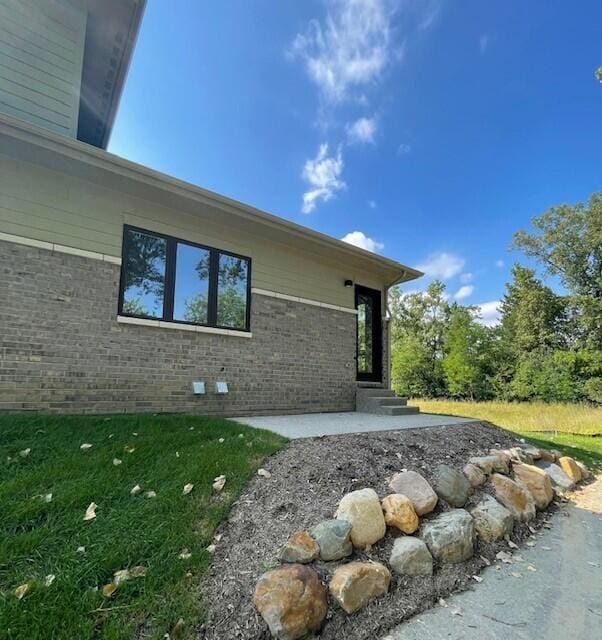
{"x":129,"y":449}
{"x":264,"y":473}
{"x":49,"y":579}
{"x":109,"y":589}
{"x":134,"y":433}
{"x":177,"y":454}
{"x":221,"y":440}
{"x":43,"y":497}
{"x":91,"y":511}
{"x":177,"y":630}
{"x":187,"y":489}
{"x":25,"y":452}
{"x":80,"y":550}
{"x":241,"y":435}
{"x":219,"y":483}
{"x":138,"y":572}
{"x":211,"y":548}
{"x":116,"y":462}
{"x":85,"y":446}
{"x":22,"y":590}
{"x":134,"y":491}
{"x":150,"y":494}
{"x":185,"y":554}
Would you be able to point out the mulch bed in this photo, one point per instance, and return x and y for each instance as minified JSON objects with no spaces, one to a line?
{"x":308,"y":479}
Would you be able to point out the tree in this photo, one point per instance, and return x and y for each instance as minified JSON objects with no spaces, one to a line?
{"x":467,"y":355}
{"x":568,"y":243}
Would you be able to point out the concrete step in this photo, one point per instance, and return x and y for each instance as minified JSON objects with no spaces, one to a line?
{"x":372,"y":392}
{"x":377,"y":401}
{"x":399,"y":410}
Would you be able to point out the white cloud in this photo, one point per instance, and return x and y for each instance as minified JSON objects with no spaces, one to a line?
{"x":442,"y":265}
{"x":499,"y":264}
{"x":372,"y":204}
{"x":466,"y":277}
{"x":362,"y":131}
{"x":350,"y":49}
{"x":464,"y":292}
{"x":489,"y":312}
{"x":403,"y":149}
{"x":323,"y":174}
{"x":431,"y":16}
{"x":483,"y":42}
{"x":361,"y":240}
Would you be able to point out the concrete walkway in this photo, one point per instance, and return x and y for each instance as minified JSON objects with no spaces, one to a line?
{"x":561,"y":599}
{"x":309,"y":425}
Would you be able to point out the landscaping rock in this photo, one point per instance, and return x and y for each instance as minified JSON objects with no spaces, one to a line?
{"x":516,"y":498}
{"x":571,"y":468}
{"x":333,"y":538}
{"x":492,"y":520}
{"x":452,"y":486}
{"x":363,"y":511}
{"x":490,"y":464}
{"x":417,"y":489}
{"x":291,"y":600}
{"x":537,"y":482}
{"x":534,"y":452}
{"x":474,"y":475}
{"x":399,"y":512}
{"x":353,"y":585}
{"x":504,"y":454}
{"x":450,"y":536}
{"x":586,"y":474}
{"x":300,"y":547}
{"x":517,"y":454}
{"x":548,"y":456}
{"x":411,"y":557}
{"x":560,"y":481}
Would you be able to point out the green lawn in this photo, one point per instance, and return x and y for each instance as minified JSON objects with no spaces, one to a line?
{"x":39,"y":538}
{"x":571,"y":428}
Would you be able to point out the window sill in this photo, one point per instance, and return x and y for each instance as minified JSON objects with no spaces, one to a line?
{"x":160,"y":324}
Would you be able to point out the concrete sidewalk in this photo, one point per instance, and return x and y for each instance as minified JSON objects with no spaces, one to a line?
{"x":561,"y":599}
{"x":309,"y":425}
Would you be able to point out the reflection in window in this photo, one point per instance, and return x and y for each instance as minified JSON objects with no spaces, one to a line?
{"x":144,"y":274}
{"x":232,"y":292}
{"x":191,"y":296}
{"x":364,"y":334}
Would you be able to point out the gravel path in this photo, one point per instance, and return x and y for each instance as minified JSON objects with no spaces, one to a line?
{"x":561,"y":599}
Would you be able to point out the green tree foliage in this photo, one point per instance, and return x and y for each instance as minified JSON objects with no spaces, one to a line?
{"x":568,"y":242}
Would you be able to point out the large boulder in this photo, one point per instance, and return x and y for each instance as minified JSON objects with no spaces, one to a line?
{"x":411,"y":557}
{"x":533,"y":451}
{"x":491,"y":464}
{"x":492,"y":520}
{"x":399,"y":513}
{"x":586,"y":474}
{"x":475,"y":475}
{"x":516,"y":498}
{"x":560,"y":481}
{"x":452,"y":485}
{"x":547,"y":455}
{"x":353,"y":585}
{"x":537,"y":482}
{"x":450,"y":536}
{"x":333,"y":538}
{"x":362,"y":510}
{"x":417,"y":489}
{"x":518,"y":454}
{"x":300,"y":547}
{"x":571,"y":468}
{"x":291,"y":600}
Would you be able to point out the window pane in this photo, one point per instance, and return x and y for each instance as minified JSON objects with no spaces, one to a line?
{"x":232,"y":292}
{"x":144,"y":274}
{"x":364,"y":334}
{"x":192,"y":284}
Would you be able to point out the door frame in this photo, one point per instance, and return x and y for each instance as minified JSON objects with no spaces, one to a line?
{"x":377,"y":336}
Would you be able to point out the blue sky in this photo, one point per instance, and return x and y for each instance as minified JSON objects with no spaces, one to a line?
{"x":428,"y":131}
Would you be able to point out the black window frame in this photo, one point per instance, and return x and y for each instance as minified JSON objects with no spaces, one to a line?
{"x":171,"y":247}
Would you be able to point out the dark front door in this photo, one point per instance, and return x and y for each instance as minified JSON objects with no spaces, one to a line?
{"x":369,"y":334}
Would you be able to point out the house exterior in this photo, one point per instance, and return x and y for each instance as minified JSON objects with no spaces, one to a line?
{"x":124,"y":289}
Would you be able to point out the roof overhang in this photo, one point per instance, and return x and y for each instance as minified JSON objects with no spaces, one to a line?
{"x":58,"y":153}
{"x":111,"y":30}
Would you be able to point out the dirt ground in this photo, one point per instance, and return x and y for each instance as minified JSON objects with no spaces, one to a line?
{"x":308,"y":479}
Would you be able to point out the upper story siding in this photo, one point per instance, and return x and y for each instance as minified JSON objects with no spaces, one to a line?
{"x":41,"y":57}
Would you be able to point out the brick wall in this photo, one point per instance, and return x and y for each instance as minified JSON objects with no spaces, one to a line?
{"x":62,"y":349}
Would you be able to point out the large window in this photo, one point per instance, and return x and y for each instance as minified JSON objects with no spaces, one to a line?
{"x":164,"y":278}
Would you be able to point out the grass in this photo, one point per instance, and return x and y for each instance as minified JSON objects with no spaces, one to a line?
{"x":570,"y":428}
{"x":39,"y":538}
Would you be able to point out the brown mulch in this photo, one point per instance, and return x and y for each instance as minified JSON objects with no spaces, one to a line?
{"x":309,"y":478}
